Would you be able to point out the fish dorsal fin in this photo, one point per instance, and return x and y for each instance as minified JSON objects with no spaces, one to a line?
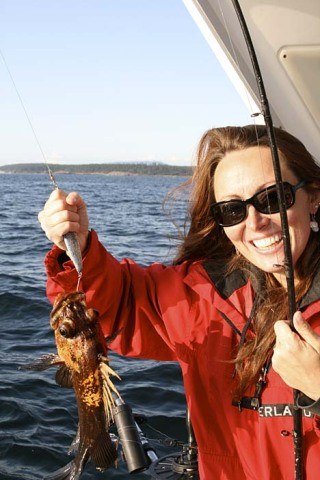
{"x":108,"y":389}
{"x":64,"y":377}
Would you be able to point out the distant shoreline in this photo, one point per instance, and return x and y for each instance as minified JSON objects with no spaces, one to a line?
{"x":115,"y":169}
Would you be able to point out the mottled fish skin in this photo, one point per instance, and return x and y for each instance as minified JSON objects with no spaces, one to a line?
{"x":73,"y":249}
{"x":82,"y":349}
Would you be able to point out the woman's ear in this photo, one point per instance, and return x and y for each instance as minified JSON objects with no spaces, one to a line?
{"x":314,"y":201}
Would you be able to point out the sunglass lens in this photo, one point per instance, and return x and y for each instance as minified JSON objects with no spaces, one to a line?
{"x":288,"y":195}
{"x":229,"y":213}
{"x":267,"y":201}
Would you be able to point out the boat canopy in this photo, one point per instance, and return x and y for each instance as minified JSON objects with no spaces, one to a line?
{"x":286,"y":38}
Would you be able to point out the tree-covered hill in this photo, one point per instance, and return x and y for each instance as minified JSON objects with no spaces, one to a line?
{"x":100,"y":168}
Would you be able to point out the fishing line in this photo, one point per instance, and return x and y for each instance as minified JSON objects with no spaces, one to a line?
{"x":235,"y":56}
{"x":29,"y":121}
{"x":70,"y":239}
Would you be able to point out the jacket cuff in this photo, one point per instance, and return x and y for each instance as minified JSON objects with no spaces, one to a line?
{"x":307,"y":403}
{"x":61,"y":273}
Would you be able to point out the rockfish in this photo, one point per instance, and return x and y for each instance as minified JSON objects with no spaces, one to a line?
{"x":85,"y":367}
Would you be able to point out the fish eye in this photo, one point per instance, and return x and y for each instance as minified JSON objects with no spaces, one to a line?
{"x":67,"y":330}
{"x":63,"y":331}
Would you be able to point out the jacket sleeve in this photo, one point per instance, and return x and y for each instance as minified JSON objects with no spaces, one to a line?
{"x":131,"y":300}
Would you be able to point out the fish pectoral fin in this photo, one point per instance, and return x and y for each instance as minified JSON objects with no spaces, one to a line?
{"x":64,"y":377}
{"x":42,"y":363}
{"x":103,"y":453}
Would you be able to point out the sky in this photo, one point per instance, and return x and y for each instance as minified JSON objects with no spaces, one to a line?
{"x":108,"y":81}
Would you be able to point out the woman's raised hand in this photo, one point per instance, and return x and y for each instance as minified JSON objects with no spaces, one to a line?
{"x":296,"y":356}
{"x":63,"y":213}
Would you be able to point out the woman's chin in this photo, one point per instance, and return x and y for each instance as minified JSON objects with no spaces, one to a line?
{"x":271,"y":265}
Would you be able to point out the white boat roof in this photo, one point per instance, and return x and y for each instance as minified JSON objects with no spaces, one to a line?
{"x":286,"y":38}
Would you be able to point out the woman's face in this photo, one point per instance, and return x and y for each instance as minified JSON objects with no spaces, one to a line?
{"x":239,"y":175}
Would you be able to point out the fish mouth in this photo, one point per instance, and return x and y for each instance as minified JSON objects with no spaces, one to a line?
{"x":61,"y":302}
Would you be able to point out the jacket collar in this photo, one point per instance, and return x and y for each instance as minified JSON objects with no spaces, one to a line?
{"x":227,"y":283}
{"x":233,"y":296}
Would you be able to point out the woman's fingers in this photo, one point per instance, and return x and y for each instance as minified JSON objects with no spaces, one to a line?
{"x":306,"y":332}
{"x":296,"y":356}
{"x":63,"y":213}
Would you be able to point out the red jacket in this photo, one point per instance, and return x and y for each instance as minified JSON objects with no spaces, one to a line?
{"x":176,"y":313}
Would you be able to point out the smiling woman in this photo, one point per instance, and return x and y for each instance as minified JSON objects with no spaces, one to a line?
{"x":222,"y":303}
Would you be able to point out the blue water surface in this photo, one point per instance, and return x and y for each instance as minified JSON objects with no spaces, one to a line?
{"x":38,"y":418}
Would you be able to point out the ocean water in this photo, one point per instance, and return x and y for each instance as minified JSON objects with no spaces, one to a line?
{"x":38,"y":419}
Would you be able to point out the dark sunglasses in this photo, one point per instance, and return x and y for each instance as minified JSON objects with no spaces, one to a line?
{"x":232,"y":212}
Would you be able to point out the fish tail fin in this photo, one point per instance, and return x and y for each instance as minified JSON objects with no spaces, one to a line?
{"x":71,"y":471}
{"x":63,"y":473}
{"x":103,"y":453}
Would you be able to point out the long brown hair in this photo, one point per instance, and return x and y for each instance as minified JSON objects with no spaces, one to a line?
{"x":205,"y":240}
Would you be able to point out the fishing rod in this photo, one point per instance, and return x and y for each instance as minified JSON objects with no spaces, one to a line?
{"x":288,"y":263}
{"x":70,"y":239}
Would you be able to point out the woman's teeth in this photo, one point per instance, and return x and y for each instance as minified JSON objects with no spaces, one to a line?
{"x":267,"y":242}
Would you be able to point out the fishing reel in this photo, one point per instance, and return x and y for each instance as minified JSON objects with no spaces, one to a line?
{"x":136,"y":448}
{"x":140,"y":456}
{"x":183,"y":466}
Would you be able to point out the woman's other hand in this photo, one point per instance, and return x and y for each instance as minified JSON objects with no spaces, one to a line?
{"x":63,"y":213}
{"x":296,"y":356}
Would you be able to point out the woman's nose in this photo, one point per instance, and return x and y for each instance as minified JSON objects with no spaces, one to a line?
{"x":256,"y":220}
